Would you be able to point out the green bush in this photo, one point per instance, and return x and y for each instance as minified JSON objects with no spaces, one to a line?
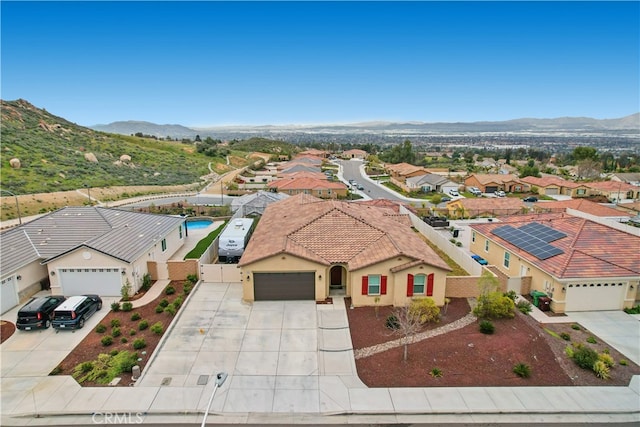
{"x":575,"y":326}
{"x":115,"y":332}
{"x":132,"y":332}
{"x":565,"y":336}
{"x":113,"y":352}
{"x":524,"y":306}
{"x":569,"y":351}
{"x":601,"y":370}
{"x":623,"y":362}
{"x":86,"y":367}
{"x":142,"y":325}
{"x":186,"y":289}
{"x":392,"y":322}
{"x":139,"y":343}
{"x":124,"y":340}
{"x":486,"y":327}
{"x":633,"y":310}
{"x":436,"y":372}
{"x":146,"y":282}
{"x":170,"y":290}
{"x":159,"y":308}
{"x":164,"y":302}
{"x":101,"y":328}
{"x":177,"y":302}
{"x":170,"y":309}
{"x":107,"y":340}
{"x":115,"y":306}
{"x":115,"y":323}
{"x":494,"y":305}
{"x":157,"y":328}
{"x":193,"y":278}
{"x":425,"y":309}
{"x":512,"y":295}
{"x":606,"y":359}
{"x":592,"y":340}
{"x":585,"y":357}
{"x":135,"y":316}
{"x":127,"y":306}
{"x":522,"y":370}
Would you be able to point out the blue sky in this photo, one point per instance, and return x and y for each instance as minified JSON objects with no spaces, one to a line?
{"x":216,"y":63}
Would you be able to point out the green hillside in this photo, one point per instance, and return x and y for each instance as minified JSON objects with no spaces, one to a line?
{"x":57,"y":155}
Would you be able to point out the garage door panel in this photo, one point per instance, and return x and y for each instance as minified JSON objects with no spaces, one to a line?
{"x":101,"y":281}
{"x":594,"y":297}
{"x":8,"y":294}
{"x":284,"y":286}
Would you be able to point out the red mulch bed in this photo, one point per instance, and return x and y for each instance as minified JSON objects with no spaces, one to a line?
{"x":90,"y":347}
{"x":6,"y":330}
{"x":468,"y":358}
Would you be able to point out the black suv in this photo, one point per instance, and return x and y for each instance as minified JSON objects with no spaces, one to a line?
{"x":38,"y":312}
{"x":75,"y":311}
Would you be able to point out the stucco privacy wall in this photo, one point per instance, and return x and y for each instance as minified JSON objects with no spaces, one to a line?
{"x":462,"y":287}
{"x":180,"y":269}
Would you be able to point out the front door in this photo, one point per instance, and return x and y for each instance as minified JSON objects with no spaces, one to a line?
{"x":336,"y":277}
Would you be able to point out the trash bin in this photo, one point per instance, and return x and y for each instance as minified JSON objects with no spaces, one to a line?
{"x":456,"y":232}
{"x":544,"y":303}
{"x":536,"y":296}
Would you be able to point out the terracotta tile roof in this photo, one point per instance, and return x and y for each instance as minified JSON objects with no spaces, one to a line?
{"x":550,"y":180}
{"x":302,"y":174}
{"x":488,"y":203}
{"x":331,"y":231}
{"x":582,"y":205}
{"x":589,"y":249}
{"x":497,"y":178}
{"x":404,"y":168}
{"x":612,"y":186}
{"x":306,"y":184}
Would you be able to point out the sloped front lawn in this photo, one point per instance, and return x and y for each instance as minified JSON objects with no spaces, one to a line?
{"x":467,"y":358}
{"x":129,"y":331}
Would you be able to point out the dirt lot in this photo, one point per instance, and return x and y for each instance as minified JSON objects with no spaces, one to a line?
{"x":468,"y":358}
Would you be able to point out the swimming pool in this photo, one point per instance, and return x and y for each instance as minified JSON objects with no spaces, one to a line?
{"x":198,"y":224}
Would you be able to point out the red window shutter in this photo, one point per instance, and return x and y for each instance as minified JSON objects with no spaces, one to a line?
{"x":409,"y":285}
{"x":430,"y":285}
{"x":383,"y":285}
{"x":365,"y":285}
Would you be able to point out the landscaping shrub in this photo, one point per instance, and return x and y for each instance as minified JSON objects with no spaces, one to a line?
{"x":127,"y":306}
{"x":494,"y":306}
{"x":601,"y":370}
{"x":106,"y":367}
{"x":124,"y":340}
{"x":115,"y":306}
{"x":139,"y":343}
{"x":115,"y":332}
{"x":135,"y":316}
{"x":125,"y":291}
{"x":159,"y":309}
{"x":575,"y":326}
{"x":633,"y":310}
{"x":192,"y":278}
{"x":524,"y":306}
{"x":392,"y":322}
{"x":101,"y":328}
{"x":115,"y":323}
{"x":143,"y":325}
{"x":132,"y":332}
{"x":565,"y":336}
{"x":486,"y":327}
{"x":568,"y":350}
{"x":164,"y":302}
{"x":522,"y":370}
{"x":425,"y":309}
{"x":170,"y":290}
{"x":107,"y":340}
{"x":512,"y":295}
{"x":113,"y":352}
{"x":606,"y":359}
{"x":585,"y":357}
{"x":592,"y":340}
{"x":156,"y":328}
{"x":177,"y":302}
{"x":56,"y":371}
{"x":86,"y":367}
{"x":436,"y":372}
{"x":146,"y":282}
{"x":186,"y":289}
{"x":170,"y":309}
{"x":623,"y":362}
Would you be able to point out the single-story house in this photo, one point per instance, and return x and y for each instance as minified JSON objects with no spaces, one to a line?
{"x":79,"y":250}
{"x":490,"y":183}
{"x":322,"y":188}
{"x":614,"y":191}
{"x":632,"y":178}
{"x":354,"y":154}
{"x":554,"y":186}
{"x":431,"y":182}
{"x":400,"y":172}
{"x":479,"y":207}
{"x":255,"y":203}
{"x":303,"y":247}
{"x":581,"y":264}
{"x":583,"y":205}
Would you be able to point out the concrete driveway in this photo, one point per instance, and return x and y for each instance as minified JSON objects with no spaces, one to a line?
{"x":619,"y":329}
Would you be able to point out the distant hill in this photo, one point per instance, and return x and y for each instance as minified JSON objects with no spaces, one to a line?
{"x":132,"y":127}
{"x":43,"y":153}
{"x":568,"y":124}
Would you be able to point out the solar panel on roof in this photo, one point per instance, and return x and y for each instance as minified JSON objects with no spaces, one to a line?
{"x":542,"y":232}
{"x":528,"y":242}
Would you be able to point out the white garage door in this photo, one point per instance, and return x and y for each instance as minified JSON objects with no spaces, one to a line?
{"x":101,"y":281}
{"x":9,"y":295}
{"x":595,"y":296}
{"x":551,"y":191}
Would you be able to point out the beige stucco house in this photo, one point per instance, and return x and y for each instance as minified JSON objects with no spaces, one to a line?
{"x":307,"y":248}
{"x":581,"y":264}
{"x":79,"y":250}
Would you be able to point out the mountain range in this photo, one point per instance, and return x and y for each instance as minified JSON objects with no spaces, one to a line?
{"x":630,"y":123}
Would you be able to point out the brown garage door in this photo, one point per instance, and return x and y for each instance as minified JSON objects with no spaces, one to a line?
{"x":284,"y":286}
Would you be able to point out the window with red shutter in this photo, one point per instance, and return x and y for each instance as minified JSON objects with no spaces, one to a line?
{"x":365,"y":285}
{"x":430,"y":285}
{"x":383,"y":285}
{"x":409,"y":285}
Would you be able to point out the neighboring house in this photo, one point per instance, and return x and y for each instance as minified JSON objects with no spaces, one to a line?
{"x":354,"y":154}
{"x":583,"y":205}
{"x":303,"y":247}
{"x":556,"y":186}
{"x":315,"y":153}
{"x":298,"y":167}
{"x":255,"y":203}
{"x":581,"y":264}
{"x":482,"y":207}
{"x":629,"y":178}
{"x":79,"y":250}
{"x":614,"y":191}
{"x":430,"y":182}
{"x":400,"y":172}
{"x":307,"y":159}
{"x":322,"y":188}
{"x":490,"y":183}
{"x":301,"y":174}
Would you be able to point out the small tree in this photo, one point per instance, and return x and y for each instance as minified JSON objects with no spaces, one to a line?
{"x":125,"y":290}
{"x":425,"y":309}
{"x":408,"y":324}
{"x":492,"y":304}
{"x":376,"y":308}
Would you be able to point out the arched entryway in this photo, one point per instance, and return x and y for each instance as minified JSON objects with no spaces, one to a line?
{"x":337,"y":279}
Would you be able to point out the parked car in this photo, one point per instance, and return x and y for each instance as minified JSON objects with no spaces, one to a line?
{"x":500,"y":193}
{"x":445,"y":199}
{"x":475,"y":191}
{"x":479,"y":259}
{"x":74,"y":311}
{"x":530,"y":199}
{"x":38,"y":312}
{"x":454,"y":193}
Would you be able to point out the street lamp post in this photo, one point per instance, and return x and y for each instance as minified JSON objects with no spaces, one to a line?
{"x":88,"y":193}
{"x":220,"y":377}
{"x":17,"y":204}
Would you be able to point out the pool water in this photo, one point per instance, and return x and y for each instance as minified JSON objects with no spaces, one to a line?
{"x":199,"y":224}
